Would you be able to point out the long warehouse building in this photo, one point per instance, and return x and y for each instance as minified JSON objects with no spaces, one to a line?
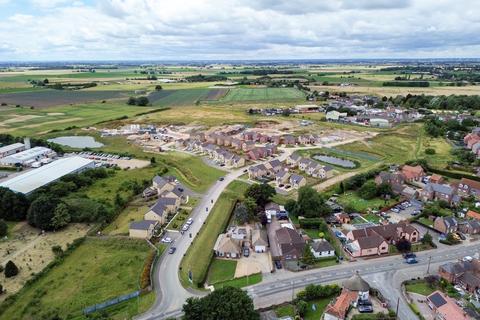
{"x":34,"y":179}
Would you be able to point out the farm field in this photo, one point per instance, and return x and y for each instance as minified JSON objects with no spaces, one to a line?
{"x":98,"y":270}
{"x":25,"y":121}
{"x":263,"y":94}
{"x":49,"y":97}
{"x":32,"y":252}
{"x":199,"y":254}
{"x":394,"y":91}
{"x":174,"y":98}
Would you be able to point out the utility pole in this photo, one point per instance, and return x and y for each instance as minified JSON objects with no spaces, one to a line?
{"x":428,"y":267}
{"x":398,"y":304}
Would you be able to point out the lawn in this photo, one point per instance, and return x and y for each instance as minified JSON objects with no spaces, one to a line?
{"x":221,"y":270}
{"x":98,"y":270}
{"x":425,"y":221}
{"x":289,"y":310}
{"x":199,"y":254}
{"x":420,"y":287}
{"x":240,"y":282}
{"x":262,"y":94}
{"x":121,"y":224}
{"x":362,"y":205}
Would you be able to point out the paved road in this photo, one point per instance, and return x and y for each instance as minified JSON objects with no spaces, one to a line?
{"x":170,"y":293}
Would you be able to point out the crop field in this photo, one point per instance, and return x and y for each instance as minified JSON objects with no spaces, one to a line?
{"x":216,"y":94}
{"x":48,"y":98}
{"x":262,"y":94}
{"x":173,"y":98}
{"x":394,"y":91}
{"x":98,"y":270}
{"x":26,"y":121}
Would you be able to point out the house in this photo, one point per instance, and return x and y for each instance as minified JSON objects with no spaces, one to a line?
{"x":142,"y":229}
{"x":259,"y":240}
{"x":304,"y":163}
{"x":297,"y":181}
{"x":257,"y":153}
{"x":469,"y":226}
{"x":290,"y":243}
{"x":282,"y":177}
{"x":293,"y":159}
{"x":322,"y":249}
{"x":368,"y":246}
{"x":436,"y":178}
{"x":237,"y":161}
{"x":444,"y":307}
{"x":288,"y":140}
{"x":175,"y":193}
{"x":390,"y":178}
{"x":413,"y":173}
{"x":258,"y":171}
{"x":445,"y":192}
{"x":162,"y":184}
{"x":227,"y":247}
{"x":473,"y":215}
{"x":464,"y":273}
{"x":248,"y":145}
{"x":343,"y":218}
{"x":445,"y":224}
{"x":160,"y":210}
{"x":468,"y":187}
{"x":274,"y":166}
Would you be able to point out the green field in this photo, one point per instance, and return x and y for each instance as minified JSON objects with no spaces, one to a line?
{"x":419,"y":287}
{"x":361,"y":205}
{"x":263,"y":94}
{"x":240,"y":282}
{"x":199,"y":254}
{"x":175,"y":98}
{"x":121,"y":224}
{"x":25,"y":121}
{"x":96,"y":271}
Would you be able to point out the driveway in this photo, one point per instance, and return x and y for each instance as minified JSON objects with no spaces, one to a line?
{"x":419,"y":301}
{"x":255,"y":263}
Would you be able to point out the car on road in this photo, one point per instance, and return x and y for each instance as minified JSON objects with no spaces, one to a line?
{"x":172,"y":250}
{"x":221,"y":178}
{"x":246,"y":252}
{"x":185,"y":227}
{"x":189,"y":221}
{"x":409,"y":255}
{"x":278,"y":264}
{"x":167,"y":240}
{"x":411,"y":261}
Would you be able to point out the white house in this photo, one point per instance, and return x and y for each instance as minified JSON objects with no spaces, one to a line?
{"x":322,"y":249}
{"x":259,"y":240}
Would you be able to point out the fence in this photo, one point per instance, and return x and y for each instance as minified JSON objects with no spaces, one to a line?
{"x":111,"y":302}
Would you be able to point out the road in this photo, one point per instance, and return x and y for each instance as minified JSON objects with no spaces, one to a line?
{"x":170,"y":293}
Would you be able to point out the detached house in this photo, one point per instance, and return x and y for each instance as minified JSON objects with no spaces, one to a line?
{"x":297,"y":181}
{"x":445,"y":224}
{"x":413,"y":173}
{"x":433,"y":191}
{"x":258,"y":171}
{"x":142,"y":229}
{"x":282,"y":177}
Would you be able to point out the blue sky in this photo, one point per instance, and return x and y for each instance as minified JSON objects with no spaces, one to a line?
{"x":237,"y":29}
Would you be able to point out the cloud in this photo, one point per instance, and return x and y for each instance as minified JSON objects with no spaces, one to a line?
{"x":240,"y":29}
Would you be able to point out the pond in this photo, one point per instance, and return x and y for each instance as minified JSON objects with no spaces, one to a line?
{"x":77,"y":142}
{"x":335,"y":161}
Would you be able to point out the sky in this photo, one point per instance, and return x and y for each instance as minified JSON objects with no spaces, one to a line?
{"x":49,"y":30}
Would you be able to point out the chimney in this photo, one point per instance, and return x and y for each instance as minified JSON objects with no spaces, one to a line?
{"x":26,"y":142}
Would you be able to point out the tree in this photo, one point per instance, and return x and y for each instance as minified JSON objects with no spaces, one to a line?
{"x":368,"y":190}
{"x":132,"y":101}
{"x":384,"y":190}
{"x":61,"y":216}
{"x":307,"y":255}
{"x":224,"y":303}
{"x":427,"y":238}
{"x":310,"y":204}
{"x":158,"y":87}
{"x":41,"y":212}
{"x":142,"y":101}
{"x":403,"y":245}
{"x":251,"y":206}
{"x":261,"y":193}
{"x":11,"y":270}
{"x":301,"y":307}
{"x":3,"y":228}
{"x":290,"y":205}
{"x":153,"y":160}
{"x":13,"y":206}
{"x":241,"y":214}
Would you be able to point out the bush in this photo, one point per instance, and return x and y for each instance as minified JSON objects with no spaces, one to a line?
{"x":145,"y":277}
{"x":430,"y":151}
{"x":11,"y":270}
{"x":3,"y":228}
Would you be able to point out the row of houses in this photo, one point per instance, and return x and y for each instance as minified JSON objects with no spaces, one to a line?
{"x":218,"y":154}
{"x":472,"y":141}
{"x":470,"y":225}
{"x":277,"y":171}
{"x":310,"y":167}
{"x":170,"y":198}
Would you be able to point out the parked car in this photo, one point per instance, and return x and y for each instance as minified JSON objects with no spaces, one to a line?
{"x":467,"y":259}
{"x":461,"y":235}
{"x":221,"y":178}
{"x":278,"y":264}
{"x":246,"y":252}
{"x":190,"y":221}
{"x":172,"y":250}
{"x":409,"y":255}
{"x":185,"y":227}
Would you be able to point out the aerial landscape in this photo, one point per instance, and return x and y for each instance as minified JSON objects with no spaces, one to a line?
{"x":239,"y":160}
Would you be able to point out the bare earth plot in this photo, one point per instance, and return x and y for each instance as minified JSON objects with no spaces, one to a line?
{"x":31,"y":251}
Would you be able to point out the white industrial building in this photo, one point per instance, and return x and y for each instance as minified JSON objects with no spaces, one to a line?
{"x":36,"y":178}
{"x":11,"y":149}
{"x":29,"y":156}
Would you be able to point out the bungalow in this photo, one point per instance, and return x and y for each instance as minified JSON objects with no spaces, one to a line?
{"x":297,"y":181}
{"x":444,"y":307}
{"x":468,"y":187}
{"x":142,"y":229}
{"x":445,"y":224}
{"x":413,"y":173}
{"x":227,"y":247}
{"x":290,"y":243}
{"x":322,"y":249}
{"x":259,"y":240}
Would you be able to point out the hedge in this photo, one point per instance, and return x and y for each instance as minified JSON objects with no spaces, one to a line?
{"x":453,"y":175}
